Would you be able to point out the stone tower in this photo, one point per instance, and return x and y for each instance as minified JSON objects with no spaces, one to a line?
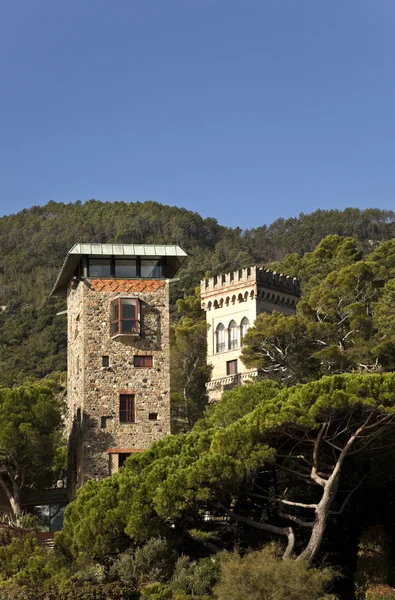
{"x":232,"y":302}
{"x":118,"y":352}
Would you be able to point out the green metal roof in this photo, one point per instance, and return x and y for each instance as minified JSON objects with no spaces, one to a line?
{"x":174,"y":253}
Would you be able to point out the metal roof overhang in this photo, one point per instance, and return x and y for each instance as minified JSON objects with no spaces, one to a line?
{"x":174,"y":254}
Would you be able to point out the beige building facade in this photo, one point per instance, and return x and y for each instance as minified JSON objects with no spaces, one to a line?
{"x":118,"y":353}
{"x":232,"y":301}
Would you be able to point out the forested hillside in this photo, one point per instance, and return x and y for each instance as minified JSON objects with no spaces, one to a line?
{"x":34,"y":243}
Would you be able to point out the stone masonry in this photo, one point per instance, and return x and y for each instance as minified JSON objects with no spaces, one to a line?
{"x":94,"y":390}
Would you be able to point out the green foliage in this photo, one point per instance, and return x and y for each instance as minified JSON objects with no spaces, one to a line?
{"x":169,"y":488}
{"x":195,"y":578}
{"x":237,"y":403}
{"x":35,"y":241}
{"x":342,"y":322}
{"x":151,"y":563}
{"x":30,"y":438}
{"x":262,"y":574}
{"x":189,"y":369}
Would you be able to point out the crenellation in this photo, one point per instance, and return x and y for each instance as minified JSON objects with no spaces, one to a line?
{"x":232,"y":302}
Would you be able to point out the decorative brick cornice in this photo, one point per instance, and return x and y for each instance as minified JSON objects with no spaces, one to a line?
{"x":123,"y":450}
{"x":126,"y":285}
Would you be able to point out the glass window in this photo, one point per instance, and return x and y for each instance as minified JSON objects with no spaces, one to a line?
{"x":151,"y":268}
{"x":125,"y":268}
{"x":126,"y":408}
{"x":231,"y":367}
{"x":244,"y":326}
{"x":232,"y":335}
{"x":220,"y":338}
{"x":125,"y":316}
{"x":99,"y":267}
{"x":143,"y":361}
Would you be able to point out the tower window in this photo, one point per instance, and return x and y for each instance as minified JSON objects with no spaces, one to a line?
{"x":244,"y":326}
{"x":126,"y":408}
{"x":126,"y":268}
{"x":125,"y":316}
{"x":105,"y":361}
{"x":232,"y":336}
{"x":231,"y":367}
{"x":151,"y":268}
{"x":153,"y":416}
{"x":220,"y":338}
{"x":99,"y":267}
{"x":143,"y":361}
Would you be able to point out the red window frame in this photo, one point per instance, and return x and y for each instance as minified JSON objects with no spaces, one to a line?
{"x":118,"y":321}
{"x":145,"y":360}
{"x":127,"y":412}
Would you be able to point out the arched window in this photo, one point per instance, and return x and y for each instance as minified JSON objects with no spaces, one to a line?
{"x":232,"y":336}
{"x":244,"y":326}
{"x":220,"y":338}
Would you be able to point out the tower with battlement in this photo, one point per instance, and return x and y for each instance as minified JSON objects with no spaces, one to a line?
{"x":232,"y":301}
{"x":118,"y":377}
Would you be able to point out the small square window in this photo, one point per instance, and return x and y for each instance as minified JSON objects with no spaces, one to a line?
{"x":153,"y":416}
{"x":231,"y":367}
{"x":143,"y":361}
{"x":105,"y":361}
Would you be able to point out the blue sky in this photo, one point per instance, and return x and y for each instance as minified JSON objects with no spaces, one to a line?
{"x":244,"y":110}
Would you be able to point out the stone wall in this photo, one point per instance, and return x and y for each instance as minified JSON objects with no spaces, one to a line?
{"x":94,"y":390}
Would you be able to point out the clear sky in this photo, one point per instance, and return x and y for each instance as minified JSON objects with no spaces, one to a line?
{"x":244,"y":110}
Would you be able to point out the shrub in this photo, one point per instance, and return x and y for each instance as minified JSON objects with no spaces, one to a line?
{"x":263,"y":575}
{"x":195,"y":578}
{"x":153,"y":562}
{"x":380,"y":592}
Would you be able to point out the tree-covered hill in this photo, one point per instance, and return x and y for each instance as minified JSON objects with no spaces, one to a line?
{"x":34,"y":242}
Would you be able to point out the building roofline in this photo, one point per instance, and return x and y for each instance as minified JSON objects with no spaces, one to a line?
{"x":120,"y":250}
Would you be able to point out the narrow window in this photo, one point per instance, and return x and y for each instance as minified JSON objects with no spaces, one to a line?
{"x":122,"y":456}
{"x":232,"y":336}
{"x":143,"y":361}
{"x":220,"y":338}
{"x":125,"y":316}
{"x":105,"y":361}
{"x":99,"y":267}
{"x":244,"y":326}
{"x":231,"y":367}
{"x":153,"y":416}
{"x":125,"y":268}
{"x":126,"y":408}
{"x":151,"y":268}
{"x":103,"y":422}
